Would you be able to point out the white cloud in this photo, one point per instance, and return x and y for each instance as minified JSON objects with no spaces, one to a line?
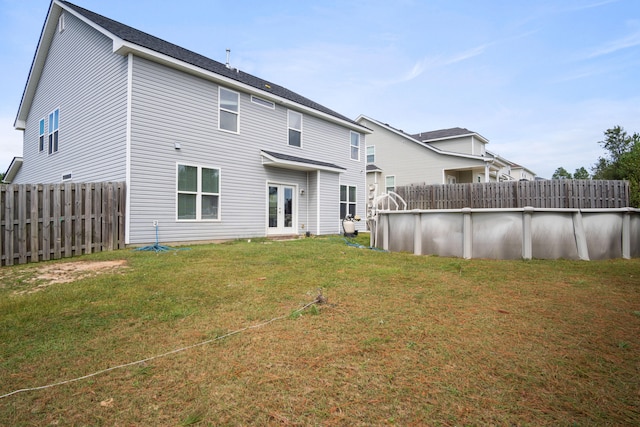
{"x":632,"y":40}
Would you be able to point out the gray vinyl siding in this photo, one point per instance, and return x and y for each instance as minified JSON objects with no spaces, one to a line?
{"x":88,"y":84}
{"x":170,"y":106}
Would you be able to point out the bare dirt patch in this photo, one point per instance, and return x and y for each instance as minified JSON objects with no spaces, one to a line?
{"x":69,"y":272}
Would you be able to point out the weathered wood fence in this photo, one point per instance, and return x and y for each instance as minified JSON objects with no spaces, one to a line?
{"x":40,"y":222}
{"x":559,"y":193}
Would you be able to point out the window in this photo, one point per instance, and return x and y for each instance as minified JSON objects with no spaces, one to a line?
{"x":41,"y":141}
{"x":371,"y":154}
{"x":53,"y":131}
{"x":390,"y":183}
{"x":295,"y":129}
{"x":263,"y":102}
{"x":198,"y":193}
{"x":229,"y":110}
{"x":355,"y":146}
{"x":347,"y":200}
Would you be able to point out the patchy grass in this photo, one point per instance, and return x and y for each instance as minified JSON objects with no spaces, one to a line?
{"x":401,"y":340}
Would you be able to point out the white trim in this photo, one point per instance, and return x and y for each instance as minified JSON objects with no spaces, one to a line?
{"x":124,"y":48}
{"x":385,"y":182}
{"x":318,"y":203}
{"x":220,"y":108}
{"x":351,"y":133}
{"x":270,"y":231}
{"x":263,"y":102}
{"x":269,"y":160}
{"x":199,"y":193}
{"x":289,"y":112}
{"x":366,"y":154}
{"x":127,"y":171}
{"x":423,"y":144}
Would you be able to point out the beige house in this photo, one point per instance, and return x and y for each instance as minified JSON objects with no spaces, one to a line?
{"x":447,"y":156}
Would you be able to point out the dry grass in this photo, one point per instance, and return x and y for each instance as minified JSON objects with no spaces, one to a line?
{"x":403,"y":340}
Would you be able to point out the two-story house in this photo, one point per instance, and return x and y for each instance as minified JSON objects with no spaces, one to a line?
{"x":207,"y":151}
{"x":447,"y":156}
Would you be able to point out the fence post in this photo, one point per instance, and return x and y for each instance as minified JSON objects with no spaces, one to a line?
{"x":467,"y":234}
{"x":417,"y":233}
{"x":527,"y":240}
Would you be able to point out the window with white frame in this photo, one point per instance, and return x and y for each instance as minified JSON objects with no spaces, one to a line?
{"x":347,"y":200}
{"x":355,"y":146}
{"x":263,"y":102}
{"x":228,"y":110}
{"x":41,"y":139}
{"x":198,"y":193}
{"x":295,"y":128}
{"x":390,"y":183}
{"x":54,"y":119}
{"x":371,"y":154}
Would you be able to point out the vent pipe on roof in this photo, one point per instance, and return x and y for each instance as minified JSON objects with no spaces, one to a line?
{"x":228,"y":55}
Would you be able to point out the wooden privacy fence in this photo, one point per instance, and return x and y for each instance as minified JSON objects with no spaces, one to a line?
{"x":557,"y":194}
{"x":40,"y":222}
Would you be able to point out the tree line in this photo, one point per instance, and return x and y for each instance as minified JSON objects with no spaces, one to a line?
{"x":621,"y":161}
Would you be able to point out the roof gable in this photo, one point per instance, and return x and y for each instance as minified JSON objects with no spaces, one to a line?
{"x":446,"y":134}
{"x":124,"y":34}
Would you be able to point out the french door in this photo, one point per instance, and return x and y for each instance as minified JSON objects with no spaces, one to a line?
{"x":281,"y":216}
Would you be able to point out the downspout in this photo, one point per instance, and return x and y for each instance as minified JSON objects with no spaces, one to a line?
{"x":318,"y":198}
{"x":127,"y":221}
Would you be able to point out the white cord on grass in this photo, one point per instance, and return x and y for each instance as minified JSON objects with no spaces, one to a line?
{"x":137,"y":362}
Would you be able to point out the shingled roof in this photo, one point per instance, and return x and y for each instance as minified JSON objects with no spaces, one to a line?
{"x":442,"y":133}
{"x":140,"y":38}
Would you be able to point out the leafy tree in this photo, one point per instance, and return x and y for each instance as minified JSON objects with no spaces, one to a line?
{"x":561,"y":173}
{"x":581,"y":173}
{"x":622,"y":160}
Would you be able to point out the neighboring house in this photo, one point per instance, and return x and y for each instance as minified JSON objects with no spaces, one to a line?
{"x":206,"y":150}
{"x":395,"y":158}
{"x":512,"y":171}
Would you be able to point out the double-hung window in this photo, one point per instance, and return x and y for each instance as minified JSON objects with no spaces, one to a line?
{"x":295,"y":128}
{"x":347,"y":200}
{"x":54,"y":118}
{"x":229,"y":110}
{"x":198,"y":193}
{"x":355,"y":146}
{"x":371,"y":154}
{"x":41,"y":139}
{"x":390,"y":183}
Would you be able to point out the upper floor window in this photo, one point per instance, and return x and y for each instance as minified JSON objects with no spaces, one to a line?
{"x":371,"y":154}
{"x":295,"y":128}
{"x":263,"y":102}
{"x":198,"y":193}
{"x":41,"y":139}
{"x":355,"y":146}
{"x":229,"y":110}
{"x":347,"y":200}
{"x":390,"y":183}
{"x":54,"y":118}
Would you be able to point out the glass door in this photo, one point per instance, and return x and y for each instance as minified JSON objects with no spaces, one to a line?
{"x":281,"y":216}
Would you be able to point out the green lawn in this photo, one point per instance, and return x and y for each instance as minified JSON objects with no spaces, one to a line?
{"x":402,"y":339}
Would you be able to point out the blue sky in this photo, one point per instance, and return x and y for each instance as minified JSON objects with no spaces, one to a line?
{"x":541,"y":80}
